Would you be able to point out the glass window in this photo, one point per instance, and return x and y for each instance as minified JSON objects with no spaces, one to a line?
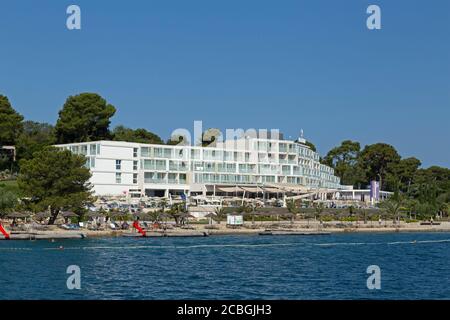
{"x":93,"y":149}
{"x":135,"y":165}
{"x":118,"y":177}
{"x":135,"y":178}
{"x":118,"y":164}
{"x":145,"y":152}
{"x":135,"y":152}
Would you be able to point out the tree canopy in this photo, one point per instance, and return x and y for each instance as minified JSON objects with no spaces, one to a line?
{"x":311,"y":145}
{"x":10,"y":122}
{"x":376,"y":159}
{"x":55,"y":179}
{"x":34,"y":137}
{"x":84,"y":117}
{"x":121,"y":133}
{"x":344,"y":159}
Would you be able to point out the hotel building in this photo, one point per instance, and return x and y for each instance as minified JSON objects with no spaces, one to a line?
{"x":251,"y":165}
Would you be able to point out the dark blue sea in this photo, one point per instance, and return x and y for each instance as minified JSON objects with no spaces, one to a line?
{"x":412,"y":265}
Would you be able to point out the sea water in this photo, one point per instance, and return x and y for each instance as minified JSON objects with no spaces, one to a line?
{"x":412,"y":266}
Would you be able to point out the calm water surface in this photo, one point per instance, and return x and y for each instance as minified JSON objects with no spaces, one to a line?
{"x":413,"y":266}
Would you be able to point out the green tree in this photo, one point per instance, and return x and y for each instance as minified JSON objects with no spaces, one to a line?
{"x":402,"y":172}
{"x":220,"y":214}
{"x":376,"y":159}
{"x":431,"y":190}
{"x":84,"y":117}
{"x":311,"y":145}
{"x":34,"y":137}
{"x":10,"y":122}
{"x":395,"y":206}
{"x":121,"y":133}
{"x":55,"y":179}
{"x":8,"y":200}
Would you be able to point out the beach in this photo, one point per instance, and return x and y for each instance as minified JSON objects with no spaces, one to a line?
{"x":249,"y":228}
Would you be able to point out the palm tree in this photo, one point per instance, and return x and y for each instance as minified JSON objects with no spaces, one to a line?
{"x":220,"y":214}
{"x":318,"y":208}
{"x":163,"y":204}
{"x":395,"y":205}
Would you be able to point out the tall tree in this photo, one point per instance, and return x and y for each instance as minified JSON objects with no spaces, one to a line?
{"x":402,"y":172}
{"x":8,"y":199}
{"x":34,"y":137}
{"x":121,"y":133}
{"x":344,"y":160}
{"x":84,"y":117}
{"x":10,"y":122}
{"x":55,"y":179}
{"x":376,"y":158}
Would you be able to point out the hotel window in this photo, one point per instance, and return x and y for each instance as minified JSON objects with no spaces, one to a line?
{"x":135,"y":178}
{"x":118,"y":164}
{"x":145,"y":152}
{"x":135,"y":165}
{"x":135,"y":152}
{"x":195,"y":154}
{"x":158,"y":152}
{"x":118,"y":177}
{"x":172,"y":178}
{"x":167,"y":153}
{"x":93,"y":149}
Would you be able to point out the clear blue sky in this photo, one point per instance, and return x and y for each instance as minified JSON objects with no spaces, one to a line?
{"x":241,"y":64}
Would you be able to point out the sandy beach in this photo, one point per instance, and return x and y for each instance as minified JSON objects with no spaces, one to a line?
{"x":249,"y":228}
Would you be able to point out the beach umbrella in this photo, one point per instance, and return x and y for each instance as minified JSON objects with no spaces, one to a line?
{"x":210,"y":215}
{"x":185,"y":215}
{"x":17,"y":215}
{"x":94,"y":214}
{"x":43,"y":215}
{"x":69,"y":214}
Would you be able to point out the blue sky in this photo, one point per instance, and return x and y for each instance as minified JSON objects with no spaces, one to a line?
{"x":241,"y":64}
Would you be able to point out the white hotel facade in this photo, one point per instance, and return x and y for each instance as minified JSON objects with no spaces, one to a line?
{"x":250,"y":164}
